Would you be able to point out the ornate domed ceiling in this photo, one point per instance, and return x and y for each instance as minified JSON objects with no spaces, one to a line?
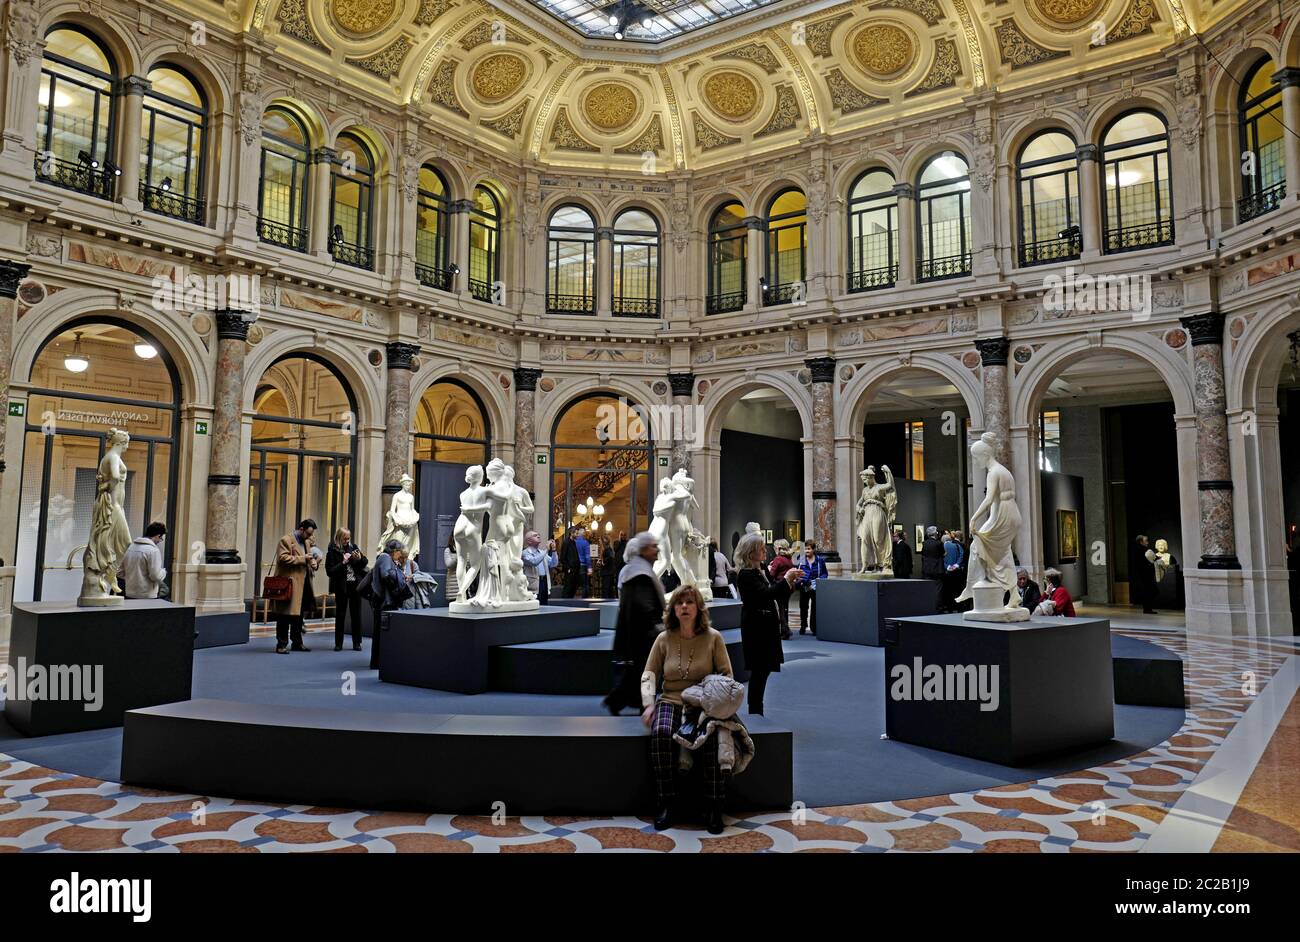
{"x":511,"y":77}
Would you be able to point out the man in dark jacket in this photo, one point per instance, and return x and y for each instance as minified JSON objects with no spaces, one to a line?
{"x":932,"y":559}
{"x":1142,"y":577}
{"x":571,"y":565}
{"x":390,"y":591}
{"x":902,"y":556}
{"x":1030,"y":594}
{"x":641,"y":606}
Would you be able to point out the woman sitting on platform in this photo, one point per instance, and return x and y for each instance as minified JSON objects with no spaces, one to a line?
{"x":640,"y":619}
{"x":683,"y":654}
{"x":1056,"y":598}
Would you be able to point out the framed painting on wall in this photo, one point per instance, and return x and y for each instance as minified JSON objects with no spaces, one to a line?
{"x":793,"y":530}
{"x":918,"y":537}
{"x":1067,"y":536}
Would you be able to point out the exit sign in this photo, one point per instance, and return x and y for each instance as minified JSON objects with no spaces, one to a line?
{"x":200,"y":428}
{"x":541,"y":459}
{"x":18,"y":409}
{"x":663,"y":462}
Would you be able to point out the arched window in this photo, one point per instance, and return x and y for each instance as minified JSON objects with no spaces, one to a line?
{"x":728,"y":250}
{"x":786,"y":239}
{"x":943,"y":218}
{"x":175,"y":121}
{"x":1139,"y":211}
{"x":571,"y":262}
{"x":1259,"y":109}
{"x":601,"y":472}
{"x":76,"y":114}
{"x":636,"y":264}
{"x":352,"y":204}
{"x":873,"y":231}
{"x":432,"y":264}
{"x":285,"y":172}
{"x":1048,"y":176}
{"x":451,"y":425}
{"x":484,"y":246}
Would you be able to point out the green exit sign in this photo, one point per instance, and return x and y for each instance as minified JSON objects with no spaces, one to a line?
{"x":663,"y":462}
{"x":541,"y":459}
{"x":200,"y":428}
{"x":18,"y":409}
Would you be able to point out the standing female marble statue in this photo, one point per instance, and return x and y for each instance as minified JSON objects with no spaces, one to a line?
{"x":468,"y":533}
{"x":991,"y":571}
{"x":502,"y":585}
{"x":679,"y":525}
{"x":662,"y":512}
{"x":403,"y":520}
{"x":876,"y":508}
{"x":109,"y":533}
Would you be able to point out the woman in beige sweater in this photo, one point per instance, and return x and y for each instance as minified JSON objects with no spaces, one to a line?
{"x":686,"y":652}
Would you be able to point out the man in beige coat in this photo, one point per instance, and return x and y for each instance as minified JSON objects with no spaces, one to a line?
{"x":295,"y":561}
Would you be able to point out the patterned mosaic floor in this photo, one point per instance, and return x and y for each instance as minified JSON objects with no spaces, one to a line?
{"x":1115,"y":807}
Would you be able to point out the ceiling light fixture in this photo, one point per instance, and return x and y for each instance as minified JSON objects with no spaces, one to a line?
{"x":625,"y":13}
{"x":76,"y":362}
{"x":145,"y":351}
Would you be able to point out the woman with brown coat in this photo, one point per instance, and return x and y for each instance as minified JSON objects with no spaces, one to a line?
{"x":295,"y":561}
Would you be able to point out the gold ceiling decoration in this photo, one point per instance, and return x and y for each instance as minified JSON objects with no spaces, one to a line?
{"x":498,"y":76}
{"x":362,"y":18}
{"x":884,"y":49}
{"x":733,"y":95}
{"x":610,"y":106}
{"x":1064,"y":15}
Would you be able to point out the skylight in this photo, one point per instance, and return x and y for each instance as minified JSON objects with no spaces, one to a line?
{"x":667,"y":18}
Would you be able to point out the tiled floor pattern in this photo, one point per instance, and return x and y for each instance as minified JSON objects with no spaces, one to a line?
{"x":1110,"y":808}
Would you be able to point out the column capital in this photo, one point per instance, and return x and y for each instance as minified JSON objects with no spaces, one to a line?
{"x":135,"y":85}
{"x":753,"y":222}
{"x":401,"y":355}
{"x":11,"y":273}
{"x":232,"y":324}
{"x":606,"y":233}
{"x":822,"y":368}
{"x":1288,"y":77}
{"x":460,"y":206}
{"x":1204,"y":328}
{"x":526,"y":378}
{"x":324,"y":155}
{"x":904,"y":191}
{"x":993,"y":350}
{"x":1087,"y":152}
{"x":682,"y":383}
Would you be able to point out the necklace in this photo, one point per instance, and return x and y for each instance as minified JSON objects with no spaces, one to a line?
{"x":684,"y":673}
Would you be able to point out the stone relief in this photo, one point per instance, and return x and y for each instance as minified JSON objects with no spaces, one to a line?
{"x":884,"y":49}
{"x":650,"y":141}
{"x":442,"y":88}
{"x":732,"y":95}
{"x":388,"y":61}
{"x":292,"y":17}
{"x":566,"y":137}
{"x":786,"y":114}
{"x":817,"y":36}
{"x":928,"y":10}
{"x":846,"y":96}
{"x":707,"y":137}
{"x":1018,"y":50}
{"x":757,"y":53}
{"x":944,"y":71}
{"x":44,"y":246}
{"x":510,"y":123}
{"x":22,"y":30}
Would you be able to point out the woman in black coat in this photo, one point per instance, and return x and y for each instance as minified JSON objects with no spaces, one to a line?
{"x":641,"y":607}
{"x":761,"y":600}
{"x":345,"y":566}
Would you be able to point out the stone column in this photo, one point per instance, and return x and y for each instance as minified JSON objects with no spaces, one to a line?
{"x":128,"y":184}
{"x":458,"y":250}
{"x":11,"y":274}
{"x":397,"y":414}
{"x":997,"y":405}
{"x":318,"y":240}
{"x":823,"y":441}
{"x":222,"y":536}
{"x":754,"y":262}
{"x":526,"y":378}
{"x":604,"y":271}
{"x":1090,"y":197}
{"x":906,"y":234}
{"x":1289,"y":80}
{"x":1213,"y":464}
{"x":683,"y":429}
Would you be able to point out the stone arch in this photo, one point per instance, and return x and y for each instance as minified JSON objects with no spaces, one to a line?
{"x":764,"y":195}
{"x":855,"y":398}
{"x":1019,"y":136}
{"x":478,"y":379}
{"x":922,"y":154}
{"x":215,"y":88}
{"x":721,"y":396}
{"x":848,"y":174}
{"x":1155,"y":101}
{"x":125,"y":52}
{"x":357,"y":375}
{"x":708,"y":207}
{"x":569,"y":389}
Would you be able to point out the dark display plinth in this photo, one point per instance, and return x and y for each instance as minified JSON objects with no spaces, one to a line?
{"x":854,"y":610}
{"x":220,"y":629}
{"x":1146,"y":674}
{"x":136,"y":654}
{"x":1053,"y":690}
{"x":436,"y":649}
{"x":723,"y":613}
{"x":408,"y":761}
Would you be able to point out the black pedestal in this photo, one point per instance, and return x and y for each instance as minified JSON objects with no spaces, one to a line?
{"x":854,"y":610}
{"x":136,"y":654}
{"x":723,"y":613}
{"x":1048,"y":681}
{"x":433,"y":648}
{"x":220,"y":629}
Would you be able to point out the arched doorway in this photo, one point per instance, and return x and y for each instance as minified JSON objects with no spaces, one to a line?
{"x":451,"y":433}
{"x":761,"y":465}
{"x":96,"y":373}
{"x":303,"y":451}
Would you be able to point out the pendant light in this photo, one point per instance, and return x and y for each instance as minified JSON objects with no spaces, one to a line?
{"x":76,"y":362}
{"x":145,"y":351}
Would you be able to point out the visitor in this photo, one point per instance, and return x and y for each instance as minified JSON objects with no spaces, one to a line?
{"x":761,"y":599}
{"x":142,"y":569}
{"x":570,"y":563}
{"x":902,"y":556}
{"x":1027,"y":589}
{"x":683,"y":654}
{"x":963,"y":567}
{"x":1142,"y":577}
{"x":1056,"y":601}
{"x":951,"y":572}
{"x":777,"y":568}
{"x":720,"y":572}
{"x":608,"y":569}
{"x":620,"y":550}
{"x":640,"y":619}
{"x":813,"y":567}
{"x":449,"y":562}
{"x":344,"y":568}
{"x":584,"y":562}
{"x":537,"y":565}
{"x":932,"y":563}
{"x":294,"y":561}
{"x":389,"y":590}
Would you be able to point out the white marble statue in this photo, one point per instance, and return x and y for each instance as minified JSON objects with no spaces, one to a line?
{"x":874,"y":514}
{"x":683,"y":549}
{"x":502,"y":584}
{"x":753,"y":527}
{"x":661,"y":518}
{"x":991,"y":573}
{"x":1160,"y":559}
{"x":467,"y":534}
{"x":402,"y":520}
{"x":109,"y":533}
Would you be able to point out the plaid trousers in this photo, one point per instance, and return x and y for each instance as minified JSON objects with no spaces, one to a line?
{"x":663,"y":756}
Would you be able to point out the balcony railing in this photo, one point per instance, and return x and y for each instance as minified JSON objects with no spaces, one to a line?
{"x":871,"y":278}
{"x":783,"y":294}
{"x":277,"y":233}
{"x":170,"y":203}
{"x":569,"y":304}
{"x":636,"y":307}
{"x":481,"y":290}
{"x":1145,"y":236}
{"x":1051,"y":250}
{"x":358,"y":256}
{"x":950,"y":266}
{"x":75,"y":176}
{"x":1257,"y":204}
{"x":723,"y":303}
{"x":433,"y":277}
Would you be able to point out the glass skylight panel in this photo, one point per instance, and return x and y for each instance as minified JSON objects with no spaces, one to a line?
{"x":670,"y":17}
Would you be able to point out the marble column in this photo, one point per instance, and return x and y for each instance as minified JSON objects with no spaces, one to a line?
{"x":222,"y":536}
{"x":1213,"y":463}
{"x":754,"y":263}
{"x":11,"y":274}
{"x":823,"y":441}
{"x":318,"y":239}
{"x":1289,"y":80}
{"x":128,"y":152}
{"x":526,"y":378}
{"x":1090,"y":197}
{"x":997,"y":405}
{"x":397,"y":414}
{"x":458,"y":251}
{"x":604,"y":276}
{"x":683,"y":423}
{"x":906,"y":234}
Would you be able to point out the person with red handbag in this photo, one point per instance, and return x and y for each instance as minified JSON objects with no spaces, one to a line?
{"x":294,"y":561}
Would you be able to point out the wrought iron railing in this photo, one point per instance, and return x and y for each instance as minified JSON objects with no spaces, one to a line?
{"x":481,"y":290}
{"x":723,"y":303}
{"x":75,"y":176}
{"x":277,"y":233}
{"x":950,"y":266}
{"x":569,"y":304}
{"x":1257,"y":204}
{"x":783,"y":294}
{"x":1051,"y":250}
{"x":873,"y":278}
{"x":597,"y":484}
{"x":348,"y":253}
{"x":1145,"y":236}
{"x":636,"y":307}
{"x":170,"y":203}
{"x":433,"y":277}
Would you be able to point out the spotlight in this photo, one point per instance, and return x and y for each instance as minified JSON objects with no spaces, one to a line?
{"x":86,"y":159}
{"x":618,"y":34}
{"x":613,"y":19}
{"x":647,"y":23}
{"x":166,"y":184}
{"x":338,"y":233}
{"x":112,"y":168}
{"x":454,"y":269}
